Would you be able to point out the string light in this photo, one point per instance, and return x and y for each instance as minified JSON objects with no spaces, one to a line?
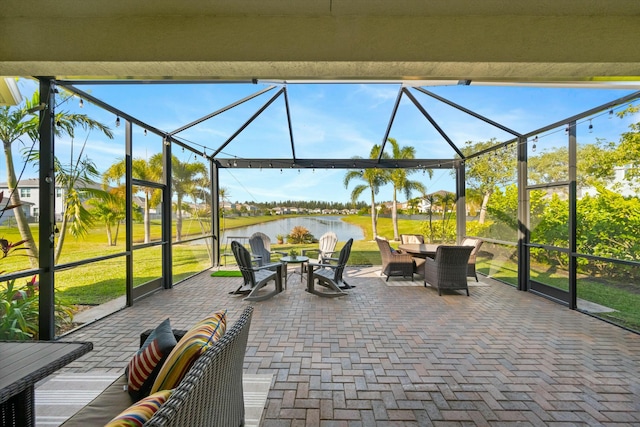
{"x":117,"y":121}
{"x":81,"y":103}
{"x":145,"y":132}
{"x":590,"y":126}
{"x":611,"y":114}
{"x":235,"y":163}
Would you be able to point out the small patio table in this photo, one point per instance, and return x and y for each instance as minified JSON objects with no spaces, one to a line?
{"x":293,"y":260}
{"x":22,"y":364}
{"x":420,"y":250}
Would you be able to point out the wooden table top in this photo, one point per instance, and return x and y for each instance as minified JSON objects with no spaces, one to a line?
{"x":23,"y":363}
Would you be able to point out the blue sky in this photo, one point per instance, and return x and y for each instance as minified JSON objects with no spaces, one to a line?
{"x":329,"y":121}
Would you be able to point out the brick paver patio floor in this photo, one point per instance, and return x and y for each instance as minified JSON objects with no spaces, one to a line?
{"x":403,"y":356}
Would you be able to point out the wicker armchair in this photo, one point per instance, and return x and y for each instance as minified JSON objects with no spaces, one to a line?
{"x":471,"y":266}
{"x":448,"y":270}
{"x":394,"y":263}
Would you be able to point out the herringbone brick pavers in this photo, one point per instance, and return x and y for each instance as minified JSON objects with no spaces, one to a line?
{"x":404,"y":356}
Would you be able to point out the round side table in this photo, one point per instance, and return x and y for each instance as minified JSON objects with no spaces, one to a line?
{"x":294,"y":260}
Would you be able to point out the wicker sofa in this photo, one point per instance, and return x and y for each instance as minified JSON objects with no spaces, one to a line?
{"x":210,"y":394}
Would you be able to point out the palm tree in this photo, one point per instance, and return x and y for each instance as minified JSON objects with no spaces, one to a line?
{"x":223,"y":194}
{"x":16,"y":123}
{"x":401,"y":182}
{"x":185,"y":180}
{"x":111,"y":211}
{"x":374,"y":179}
{"x":144,"y":170}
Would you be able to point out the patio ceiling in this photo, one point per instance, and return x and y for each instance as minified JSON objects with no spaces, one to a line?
{"x":410,"y":40}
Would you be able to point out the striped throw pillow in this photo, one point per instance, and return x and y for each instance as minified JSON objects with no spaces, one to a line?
{"x":140,"y":412}
{"x":189,"y":348}
{"x":144,"y":366}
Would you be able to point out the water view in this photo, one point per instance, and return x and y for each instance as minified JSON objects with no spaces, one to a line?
{"x":317,"y":225}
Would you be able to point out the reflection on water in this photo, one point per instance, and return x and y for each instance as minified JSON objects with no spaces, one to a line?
{"x":317,"y":225}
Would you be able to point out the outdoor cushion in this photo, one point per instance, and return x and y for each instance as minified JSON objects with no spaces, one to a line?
{"x":143,"y":368}
{"x":140,"y":412}
{"x":195,"y":342}
{"x":113,"y":400}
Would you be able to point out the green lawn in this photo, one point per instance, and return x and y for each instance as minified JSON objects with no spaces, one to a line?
{"x":102,"y":281}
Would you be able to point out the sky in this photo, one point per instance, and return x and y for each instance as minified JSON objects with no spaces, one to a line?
{"x":328,"y":121}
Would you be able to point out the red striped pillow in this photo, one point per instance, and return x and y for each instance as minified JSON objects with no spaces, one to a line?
{"x":143,"y":368}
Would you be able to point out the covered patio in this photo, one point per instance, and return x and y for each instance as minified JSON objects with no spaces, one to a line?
{"x":398,"y":354}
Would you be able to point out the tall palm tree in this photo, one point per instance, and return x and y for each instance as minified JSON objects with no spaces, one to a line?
{"x":18,"y":123}
{"x":400,"y":180}
{"x":185,"y":177}
{"x":223,"y":194}
{"x":373,"y":180}
{"x":142,"y":169}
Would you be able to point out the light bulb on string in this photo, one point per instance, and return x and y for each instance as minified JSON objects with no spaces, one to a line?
{"x":590,"y":126}
{"x":145,"y":132}
{"x":117,"y":121}
{"x":81,"y":103}
{"x":611,"y":114}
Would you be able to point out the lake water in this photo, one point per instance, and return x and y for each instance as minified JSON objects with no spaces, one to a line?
{"x":317,"y":225}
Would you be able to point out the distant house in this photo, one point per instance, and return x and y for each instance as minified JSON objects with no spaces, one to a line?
{"x":30,"y":196}
{"x":425,"y":206}
{"x":619,"y":184}
{"x":7,"y":217}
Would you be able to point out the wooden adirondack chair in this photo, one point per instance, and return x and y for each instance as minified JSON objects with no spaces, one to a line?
{"x":260,"y":245}
{"x":256,"y":277}
{"x":330,"y":275}
{"x":326,"y":247}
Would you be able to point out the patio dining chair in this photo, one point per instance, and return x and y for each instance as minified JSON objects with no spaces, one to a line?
{"x":471,"y":266}
{"x":260,"y":245}
{"x":255,"y":277}
{"x":411,"y":238}
{"x":448,"y":270}
{"x":394,"y":263}
{"x":329,"y":274}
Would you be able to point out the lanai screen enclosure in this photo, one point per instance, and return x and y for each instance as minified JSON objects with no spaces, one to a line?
{"x":557,"y":204}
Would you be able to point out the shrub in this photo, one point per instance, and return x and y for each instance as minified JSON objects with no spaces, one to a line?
{"x":300,"y":234}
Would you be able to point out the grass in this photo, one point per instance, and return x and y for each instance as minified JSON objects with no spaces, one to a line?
{"x":99,"y":282}
{"x":226,"y":273}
